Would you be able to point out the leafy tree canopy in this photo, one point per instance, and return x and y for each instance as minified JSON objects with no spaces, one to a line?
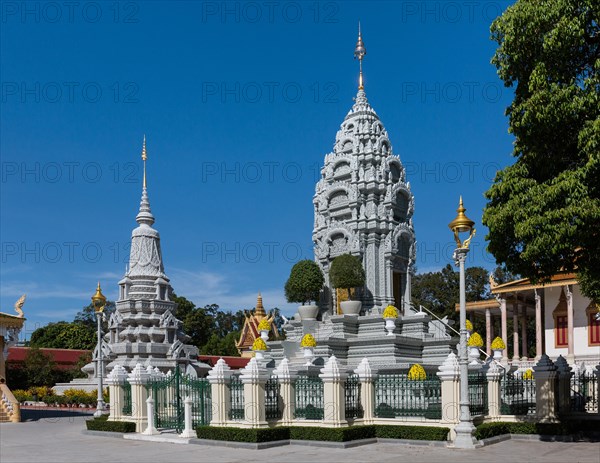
{"x":305,"y":281}
{"x":347,"y":272}
{"x":543,"y":211}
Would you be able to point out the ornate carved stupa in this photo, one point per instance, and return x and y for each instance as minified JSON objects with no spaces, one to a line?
{"x":364,"y":206}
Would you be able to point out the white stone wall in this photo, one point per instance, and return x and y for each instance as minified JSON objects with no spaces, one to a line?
{"x":580,"y":324}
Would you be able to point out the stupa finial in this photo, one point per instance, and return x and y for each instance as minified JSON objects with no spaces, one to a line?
{"x":144,"y":158}
{"x":260,"y":310}
{"x":145,"y":214}
{"x":359,"y":52}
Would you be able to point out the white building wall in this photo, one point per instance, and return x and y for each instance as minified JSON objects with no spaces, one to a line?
{"x":580,"y":324}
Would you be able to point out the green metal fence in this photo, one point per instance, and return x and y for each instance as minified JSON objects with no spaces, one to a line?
{"x":273,"y":409}
{"x":517,"y":395}
{"x":126,"y":410}
{"x":309,"y":398}
{"x":170,"y":392}
{"x":396,"y":395}
{"x":352,"y":397}
{"x":478,"y":394}
{"x":584,"y":392}
{"x":236,"y":396}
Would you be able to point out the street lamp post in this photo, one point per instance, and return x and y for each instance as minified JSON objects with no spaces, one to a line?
{"x":464,"y":429}
{"x":99,"y":302}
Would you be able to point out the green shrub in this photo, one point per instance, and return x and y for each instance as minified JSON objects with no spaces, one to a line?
{"x":332,"y":434}
{"x":346,"y":272}
{"x":412,"y":432}
{"x":21,"y":395}
{"x":102,"y":424}
{"x":305,"y":281}
{"x":487,"y":430}
{"x":242,"y":434}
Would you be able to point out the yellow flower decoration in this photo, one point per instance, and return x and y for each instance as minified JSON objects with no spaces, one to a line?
{"x":469,"y":325}
{"x":498,"y":344}
{"x":308,"y":340}
{"x":475,"y":340}
{"x":259,"y":344}
{"x":417,"y":373}
{"x":528,"y":374}
{"x":390,"y":312}
{"x":264,"y":325}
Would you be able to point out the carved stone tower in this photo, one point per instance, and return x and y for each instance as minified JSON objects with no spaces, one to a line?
{"x":364,"y":206}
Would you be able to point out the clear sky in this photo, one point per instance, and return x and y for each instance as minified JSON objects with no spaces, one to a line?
{"x":240,"y":102}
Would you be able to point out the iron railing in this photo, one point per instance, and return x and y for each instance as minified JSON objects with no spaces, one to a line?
{"x":478,"y":394}
{"x":584,"y":392}
{"x":396,"y":395}
{"x":236,"y":397}
{"x":353,"y":406}
{"x":273,"y":409}
{"x":309,"y":398}
{"x":517,"y":395}
{"x":126,"y":410}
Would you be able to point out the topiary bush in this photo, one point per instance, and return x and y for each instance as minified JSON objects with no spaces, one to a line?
{"x":305,"y":282}
{"x":242,"y":434}
{"x":347,"y":272}
{"x":486,"y":430}
{"x":332,"y":434}
{"x":412,"y":432}
{"x":102,"y":424}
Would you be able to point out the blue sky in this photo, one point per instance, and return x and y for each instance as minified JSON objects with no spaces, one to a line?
{"x":240,"y":102}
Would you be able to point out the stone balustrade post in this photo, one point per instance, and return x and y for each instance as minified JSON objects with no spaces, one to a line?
{"x":367,"y":390}
{"x":545,"y":389}
{"x":139,"y":378}
{"x":563,"y":387}
{"x":494,"y":375}
{"x":286,"y":379}
{"x":449,"y":374}
{"x":219,"y":377}
{"x":150,"y":429}
{"x":334,"y":413}
{"x":115,"y":380}
{"x":188,"y":430}
{"x":254,"y":376}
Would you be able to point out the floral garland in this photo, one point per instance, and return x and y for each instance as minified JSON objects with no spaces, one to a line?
{"x":498,"y":344}
{"x":259,"y":344}
{"x":475,"y":340}
{"x":264,"y":325}
{"x":417,"y":373}
{"x":390,"y":312}
{"x":308,"y":340}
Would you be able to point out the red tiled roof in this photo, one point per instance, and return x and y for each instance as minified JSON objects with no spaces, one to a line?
{"x":63,"y":358}
{"x":235,"y":363}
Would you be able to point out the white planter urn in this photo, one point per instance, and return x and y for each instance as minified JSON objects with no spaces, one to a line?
{"x":259,"y":354}
{"x":497,"y":354}
{"x":473,"y":353}
{"x":264,"y":334}
{"x":308,"y":312}
{"x":351,"y":307}
{"x":390,"y":325}
{"x":309,"y":355}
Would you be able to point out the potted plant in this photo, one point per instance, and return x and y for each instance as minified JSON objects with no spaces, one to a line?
{"x":347,"y":272}
{"x":303,"y":286}
{"x":390,"y":314}
{"x":497,"y":347}
{"x":308,"y":343}
{"x":469,"y":327}
{"x":264,"y":327}
{"x":475,"y":343}
{"x":416,"y":373}
{"x":259,"y":347}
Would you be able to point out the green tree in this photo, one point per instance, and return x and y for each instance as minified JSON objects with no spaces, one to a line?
{"x":304,"y":283}
{"x":543,"y":211}
{"x":347,"y":272}
{"x":39,"y":368}
{"x":64,"y":335}
{"x":87,"y":315}
{"x":221,"y":345}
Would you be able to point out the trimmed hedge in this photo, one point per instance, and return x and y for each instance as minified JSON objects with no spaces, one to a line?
{"x":483,"y":431}
{"x":242,"y":434}
{"x":322,"y":434}
{"x":102,"y":424}
{"x":332,"y":434}
{"x":412,"y":432}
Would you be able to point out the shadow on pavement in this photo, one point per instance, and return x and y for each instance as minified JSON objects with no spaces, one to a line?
{"x":37,"y":414}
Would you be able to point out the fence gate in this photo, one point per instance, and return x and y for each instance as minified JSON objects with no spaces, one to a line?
{"x":170,"y":392}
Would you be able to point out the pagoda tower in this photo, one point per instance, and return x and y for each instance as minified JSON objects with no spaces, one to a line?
{"x":363,"y":206}
{"x":143,"y":327}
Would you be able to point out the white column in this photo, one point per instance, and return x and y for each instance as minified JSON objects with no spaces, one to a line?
{"x":138,"y":378}
{"x":539,"y":333}
{"x":188,"y":431}
{"x":504,"y":330}
{"x":115,"y":380}
{"x":524,"y":353}
{"x":449,"y":375}
{"x":254,"y":376}
{"x":488,"y":332}
{"x":333,"y":393}
{"x":286,"y":382}
{"x":219,"y":377}
{"x":545,"y":389}
{"x":367,"y":390}
{"x":150,"y":429}
{"x":516,"y":330}
{"x":570,"y":330}
{"x":494,"y":376}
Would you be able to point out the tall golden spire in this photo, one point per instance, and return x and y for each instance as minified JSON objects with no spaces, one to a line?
{"x":359,"y":52}
{"x":260,"y":310}
{"x":144,"y":157}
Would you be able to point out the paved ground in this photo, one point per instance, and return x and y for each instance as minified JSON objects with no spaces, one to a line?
{"x":58,"y":438}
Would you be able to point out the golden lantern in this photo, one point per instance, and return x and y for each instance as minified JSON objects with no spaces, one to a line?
{"x":98,"y":300}
{"x":462,"y":224}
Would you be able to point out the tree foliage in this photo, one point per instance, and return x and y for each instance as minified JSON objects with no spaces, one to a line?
{"x":543,"y":212}
{"x":64,"y":335}
{"x":439,"y":291}
{"x":347,"y":272}
{"x":305,"y":282}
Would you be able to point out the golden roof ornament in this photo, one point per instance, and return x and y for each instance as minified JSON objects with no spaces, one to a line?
{"x":19,"y":305}
{"x":462,"y":224}
{"x":260,"y":310}
{"x":359,"y":52}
